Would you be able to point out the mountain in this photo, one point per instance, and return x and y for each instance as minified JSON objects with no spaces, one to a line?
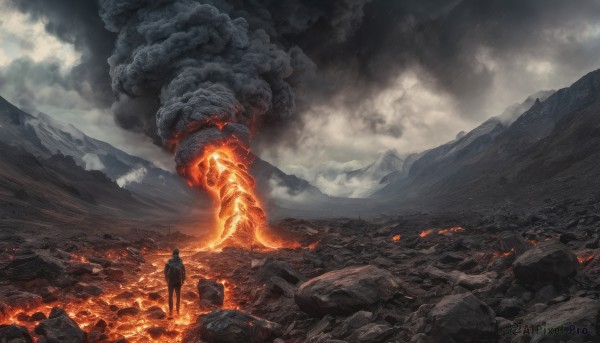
{"x":44,"y":192}
{"x":362,"y":182}
{"x":550,"y":150}
{"x":44,"y":137}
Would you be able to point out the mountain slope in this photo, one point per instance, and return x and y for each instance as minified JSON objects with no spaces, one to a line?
{"x":523,"y":163}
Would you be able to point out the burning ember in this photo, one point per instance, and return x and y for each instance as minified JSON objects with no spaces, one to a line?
{"x":396,"y":238}
{"x":441,"y":231}
{"x":241,"y":221}
{"x":584,"y":259}
{"x":425,"y":233}
{"x":497,"y":254}
{"x":450,"y":229}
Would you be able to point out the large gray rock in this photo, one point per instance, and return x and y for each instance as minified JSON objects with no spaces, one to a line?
{"x":345,"y":291}
{"x":280,"y":269}
{"x":211,"y":291}
{"x":549,"y":261}
{"x":577,"y":313}
{"x":32,"y":265}
{"x":463,"y":318}
{"x":60,"y":328}
{"x":372,"y":333}
{"x":230,"y":326}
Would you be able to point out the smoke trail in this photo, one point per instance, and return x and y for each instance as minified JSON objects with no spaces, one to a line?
{"x":214,"y":77}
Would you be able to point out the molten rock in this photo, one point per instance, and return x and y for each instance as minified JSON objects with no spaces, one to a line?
{"x":230,"y":326}
{"x":211,"y":291}
{"x":463,"y":318}
{"x":548,"y":262}
{"x":345,"y":291}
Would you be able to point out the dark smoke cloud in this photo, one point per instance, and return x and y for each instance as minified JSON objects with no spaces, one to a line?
{"x":259,"y":62}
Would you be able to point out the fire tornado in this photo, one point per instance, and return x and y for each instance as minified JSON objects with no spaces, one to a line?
{"x":216,"y":80}
{"x":222,"y":170}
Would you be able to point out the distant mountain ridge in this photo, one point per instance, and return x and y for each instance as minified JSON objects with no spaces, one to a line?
{"x":498,"y":163}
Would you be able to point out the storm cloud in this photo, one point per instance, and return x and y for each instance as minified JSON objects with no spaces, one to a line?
{"x":403,"y":74}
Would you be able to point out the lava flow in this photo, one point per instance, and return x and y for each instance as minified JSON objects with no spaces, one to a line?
{"x":132,"y":306}
{"x":241,"y":221}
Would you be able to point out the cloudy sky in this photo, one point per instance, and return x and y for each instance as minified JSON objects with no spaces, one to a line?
{"x":404,"y":76}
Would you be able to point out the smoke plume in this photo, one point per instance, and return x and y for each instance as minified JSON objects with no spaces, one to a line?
{"x":216,"y":78}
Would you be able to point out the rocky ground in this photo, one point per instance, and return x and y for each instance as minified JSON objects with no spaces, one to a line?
{"x":506,"y":277}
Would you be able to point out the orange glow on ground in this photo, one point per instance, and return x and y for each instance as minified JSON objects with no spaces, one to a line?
{"x":241,"y":221}
{"x":584,"y":259}
{"x":425,"y":233}
{"x":396,"y":238}
{"x":450,"y":229}
{"x":136,"y":291}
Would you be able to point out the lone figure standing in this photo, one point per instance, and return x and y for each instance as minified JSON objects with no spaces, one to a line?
{"x":175,"y":276}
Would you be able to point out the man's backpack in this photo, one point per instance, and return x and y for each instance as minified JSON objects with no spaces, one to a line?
{"x":175,"y":273}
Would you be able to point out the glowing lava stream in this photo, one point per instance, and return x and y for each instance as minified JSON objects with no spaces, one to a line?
{"x":145,"y":291}
{"x":241,"y":221}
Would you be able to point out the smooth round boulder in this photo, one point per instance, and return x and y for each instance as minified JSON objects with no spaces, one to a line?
{"x":231,"y":326}
{"x":345,"y":291}
{"x":548,"y":262}
{"x":463,"y":318}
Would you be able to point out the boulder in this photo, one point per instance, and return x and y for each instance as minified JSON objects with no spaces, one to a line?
{"x":549,"y":261}
{"x":231,"y":326}
{"x":568,"y":317}
{"x":280,"y":269}
{"x":512,"y":241}
{"x":463,"y":318}
{"x":32,"y":265}
{"x":18,"y":299}
{"x":14,"y":334}
{"x":211,"y":291}
{"x":345,"y":291}
{"x":60,"y":328}
{"x":352,"y":323}
{"x":85,"y":290}
{"x":155,"y":312}
{"x":372,"y":333}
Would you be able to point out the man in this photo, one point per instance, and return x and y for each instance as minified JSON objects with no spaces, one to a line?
{"x":175,"y":276}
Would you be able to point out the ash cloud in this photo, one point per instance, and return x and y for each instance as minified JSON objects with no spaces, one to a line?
{"x":268,"y":63}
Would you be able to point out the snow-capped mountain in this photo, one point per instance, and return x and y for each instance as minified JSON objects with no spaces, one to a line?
{"x":361,"y":182}
{"x":44,"y":137}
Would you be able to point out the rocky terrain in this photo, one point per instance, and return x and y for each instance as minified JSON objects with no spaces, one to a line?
{"x":468,"y":277}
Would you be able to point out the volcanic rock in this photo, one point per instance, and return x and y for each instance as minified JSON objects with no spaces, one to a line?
{"x":38,"y":316}
{"x":463,"y":318}
{"x":155,"y":312}
{"x":512,"y":241}
{"x":372,"y":333}
{"x":352,"y":323}
{"x":211,"y":291}
{"x":509,"y":307}
{"x":280,"y":269}
{"x":81,"y":268}
{"x":31,"y":265}
{"x":548,"y":262}
{"x":570,"y":315}
{"x":18,"y":299}
{"x":85,"y":290}
{"x":231,"y":326}
{"x":128,"y":311}
{"x":60,"y":328}
{"x":14,"y":334}
{"x":344,"y":291}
